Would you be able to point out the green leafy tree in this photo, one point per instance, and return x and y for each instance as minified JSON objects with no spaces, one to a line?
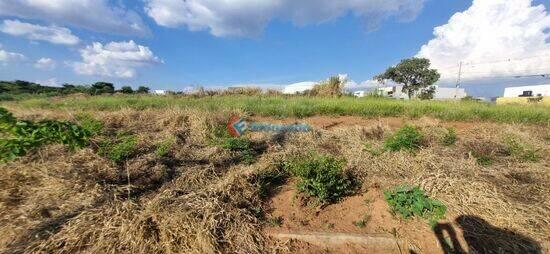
{"x":143,"y":89}
{"x":127,"y":90}
{"x":101,"y":88}
{"x":414,"y":73}
{"x":427,"y":93}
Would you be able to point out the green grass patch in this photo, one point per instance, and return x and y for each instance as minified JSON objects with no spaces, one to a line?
{"x":410,"y":201}
{"x":321,"y":177}
{"x":407,"y":138}
{"x":163,"y":147}
{"x":303,"y":106}
{"x":119,"y":149}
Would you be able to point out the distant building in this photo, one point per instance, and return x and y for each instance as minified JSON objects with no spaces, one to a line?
{"x":527,"y":91}
{"x":299,"y":87}
{"x":526,"y":95}
{"x":160,"y":92}
{"x":441,"y":93}
{"x":359,"y":94}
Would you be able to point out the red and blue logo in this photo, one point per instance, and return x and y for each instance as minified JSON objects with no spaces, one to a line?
{"x":236,"y":126}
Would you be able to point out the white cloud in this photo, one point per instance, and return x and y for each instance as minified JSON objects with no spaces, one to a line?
{"x":53,"y":34}
{"x":249,"y":17}
{"x":45,"y":64}
{"x":493,"y":38}
{"x":115,"y":59}
{"x":6,"y":56}
{"x":96,"y":15}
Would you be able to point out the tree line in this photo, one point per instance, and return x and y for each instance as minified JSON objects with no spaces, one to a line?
{"x":19,"y":87}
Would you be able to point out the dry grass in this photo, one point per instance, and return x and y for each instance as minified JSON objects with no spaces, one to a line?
{"x":200,"y":199}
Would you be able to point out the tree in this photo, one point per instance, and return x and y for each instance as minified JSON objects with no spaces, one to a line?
{"x":427,"y":93}
{"x":414,"y":73}
{"x":143,"y":89}
{"x":101,"y":88}
{"x":127,"y":90}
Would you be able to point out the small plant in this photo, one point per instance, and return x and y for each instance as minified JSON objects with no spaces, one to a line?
{"x":90,"y":124}
{"x":515,"y":148}
{"x":363,"y":222}
{"x":406,"y":138}
{"x":483,"y":160}
{"x":120,"y":149}
{"x":321,"y":177}
{"x":275,"y":221}
{"x":412,"y":201}
{"x":450,"y":137}
{"x":374,"y":151}
{"x":242,"y":146}
{"x":163,"y":147}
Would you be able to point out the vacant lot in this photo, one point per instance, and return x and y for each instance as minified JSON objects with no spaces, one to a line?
{"x":161,"y":175}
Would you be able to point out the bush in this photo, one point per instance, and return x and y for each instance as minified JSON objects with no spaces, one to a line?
{"x":120,"y":149}
{"x":450,"y":137}
{"x":520,"y":151}
{"x":406,"y":138}
{"x":412,"y":201}
{"x":321,"y":177}
{"x":18,"y":137}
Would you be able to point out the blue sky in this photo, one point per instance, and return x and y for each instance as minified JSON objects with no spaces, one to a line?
{"x":286,"y":46}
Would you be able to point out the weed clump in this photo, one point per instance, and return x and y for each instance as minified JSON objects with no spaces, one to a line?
{"x":241,"y":146}
{"x":450,"y":137}
{"x":18,"y":137}
{"x":406,"y":138}
{"x":163,"y":147}
{"x":412,"y":201}
{"x":515,"y":148}
{"x":121,"y":148}
{"x":321,"y":177}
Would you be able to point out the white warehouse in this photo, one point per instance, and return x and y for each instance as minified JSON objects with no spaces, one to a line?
{"x":527,"y":91}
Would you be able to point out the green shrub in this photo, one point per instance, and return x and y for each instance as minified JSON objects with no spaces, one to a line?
{"x":321,"y":177}
{"x":412,"y":201}
{"x":87,"y":122}
{"x":242,"y":146}
{"x":515,"y":148}
{"x":120,"y":149}
{"x":18,"y":137}
{"x":406,"y":138}
{"x":450,"y":137}
{"x":163,"y":147}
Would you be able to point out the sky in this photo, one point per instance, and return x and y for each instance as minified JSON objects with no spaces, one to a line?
{"x":184,"y":44}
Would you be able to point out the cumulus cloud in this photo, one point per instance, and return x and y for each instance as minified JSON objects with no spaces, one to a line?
{"x":249,"y":17}
{"x":6,"y":56}
{"x":96,"y":15}
{"x":494,"y":38}
{"x":53,"y":34}
{"x":45,"y":64}
{"x":115,"y":59}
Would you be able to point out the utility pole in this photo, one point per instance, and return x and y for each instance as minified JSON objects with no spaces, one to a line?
{"x":459,"y":79}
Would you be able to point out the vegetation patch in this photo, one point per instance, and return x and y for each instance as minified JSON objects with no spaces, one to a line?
{"x":412,"y":201}
{"x":119,"y":149}
{"x":18,"y":137}
{"x":407,"y":138}
{"x":520,"y":151}
{"x":321,"y":177}
{"x":450,"y":137}
{"x":163,"y":147}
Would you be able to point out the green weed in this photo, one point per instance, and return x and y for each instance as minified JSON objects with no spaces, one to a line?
{"x":524,"y":153}
{"x":450,"y":137}
{"x":18,"y":137}
{"x":321,"y":177}
{"x":163,"y":147}
{"x":412,"y":201}
{"x":374,"y":151}
{"x":363,"y":222}
{"x":121,"y":148}
{"x":242,"y":146}
{"x":406,"y":138}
